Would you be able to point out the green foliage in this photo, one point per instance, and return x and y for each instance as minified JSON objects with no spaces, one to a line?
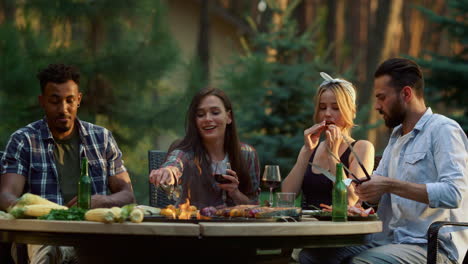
{"x":72,"y":214}
{"x":123,"y":50}
{"x":273,"y":97}
{"x":448,"y":74}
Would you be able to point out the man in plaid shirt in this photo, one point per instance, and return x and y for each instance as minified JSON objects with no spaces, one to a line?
{"x":43,"y":158}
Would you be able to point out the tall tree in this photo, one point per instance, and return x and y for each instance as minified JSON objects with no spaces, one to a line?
{"x":383,"y":37}
{"x":123,"y":50}
{"x":448,"y":71}
{"x":273,"y":97}
{"x":203,"y":44}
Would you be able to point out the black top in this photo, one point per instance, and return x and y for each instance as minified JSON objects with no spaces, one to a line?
{"x":317,"y":188}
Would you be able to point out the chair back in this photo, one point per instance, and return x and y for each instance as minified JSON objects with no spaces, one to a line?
{"x":158,"y":198}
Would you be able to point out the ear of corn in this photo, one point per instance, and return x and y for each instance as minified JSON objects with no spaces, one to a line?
{"x":103,"y":215}
{"x":37,"y":210}
{"x":34,"y":210}
{"x":126,"y":210}
{"x":17,"y":212}
{"x":30,"y":199}
{"x":6,"y":216}
{"x":136,"y":216}
{"x":118,"y":217}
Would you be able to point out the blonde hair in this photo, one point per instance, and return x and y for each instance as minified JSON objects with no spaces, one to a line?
{"x":345,"y":103}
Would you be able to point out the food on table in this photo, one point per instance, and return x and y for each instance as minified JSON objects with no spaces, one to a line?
{"x":103,"y":215}
{"x":149,"y":210}
{"x":30,"y":199}
{"x":117,"y":211}
{"x":136,"y":216}
{"x":183,"y":211}
{"x":34,"y":210}
{"x":127,"y":210}
{"x":6,"y":216}
{"x":31,"y":205}
{"x":250,"y":211}
{"x":208,"y":211}
{"x":72,"y":214}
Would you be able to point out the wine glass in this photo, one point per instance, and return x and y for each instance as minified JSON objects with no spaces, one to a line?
{"x":272,"y":179}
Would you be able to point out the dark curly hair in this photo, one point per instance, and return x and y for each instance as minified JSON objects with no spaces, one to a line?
{"x":58,"y":73}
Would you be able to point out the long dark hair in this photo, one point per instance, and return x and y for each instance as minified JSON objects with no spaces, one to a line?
{"x":193,"y":141}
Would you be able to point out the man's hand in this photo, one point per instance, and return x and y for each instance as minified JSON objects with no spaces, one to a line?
{"x":372,"y":190}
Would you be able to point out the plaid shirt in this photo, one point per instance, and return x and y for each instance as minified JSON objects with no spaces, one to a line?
{"x":177,"y":158}
{"x":30,"y":152}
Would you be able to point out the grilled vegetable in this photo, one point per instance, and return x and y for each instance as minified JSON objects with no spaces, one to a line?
{"x":30,"y":199}
{"x":34,"y":210}
{"x":149,"y":210}
{"x":168,"y":212}
{"x":126,"y":210}
{"x":208,"y":211}
{"x":103,"y":215}
{"x":136,"y":216}
{"x":6,"y":216}
{"x":117,"y":211}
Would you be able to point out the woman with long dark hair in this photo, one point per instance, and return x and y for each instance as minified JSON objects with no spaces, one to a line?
{"x":211,"y":141}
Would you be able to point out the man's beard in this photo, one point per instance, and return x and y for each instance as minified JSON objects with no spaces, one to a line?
{"x":396,"y":116}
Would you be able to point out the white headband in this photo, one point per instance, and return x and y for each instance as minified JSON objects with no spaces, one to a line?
{"x":347,"y":85}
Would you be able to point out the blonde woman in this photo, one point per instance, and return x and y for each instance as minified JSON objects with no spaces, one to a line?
{"x":335,"y":110}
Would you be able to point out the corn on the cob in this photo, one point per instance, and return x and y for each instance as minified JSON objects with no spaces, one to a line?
{"x":126,"y":210}
{"x":6,"y":216}
{"x":104,"y":215}
{"x":37,"y":210}
{"x":136,"y":216}
{"x":30,"y":199}
{"x":34,"y":210}
{"x":117,"y":211}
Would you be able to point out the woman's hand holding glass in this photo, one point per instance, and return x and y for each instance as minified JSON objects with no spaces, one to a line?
{"x":234,"y":182}
{"x":312,"y":135}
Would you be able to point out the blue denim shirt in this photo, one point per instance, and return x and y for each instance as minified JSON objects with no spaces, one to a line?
{"x":436,"y":154}
{"x":29,"y":152}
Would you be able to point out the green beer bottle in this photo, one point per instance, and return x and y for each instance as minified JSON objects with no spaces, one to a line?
{"x":339,"y":197}
{"x":84,"y":186}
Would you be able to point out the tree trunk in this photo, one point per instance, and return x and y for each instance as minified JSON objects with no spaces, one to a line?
{"x":7,"y":11}
{"x":416,"y":30}
{"x":277,"y":22}
{"x":203,"y":46}
{"x":331,"y":27}
{"x":339,"y":14}
{"x":390,"y":26}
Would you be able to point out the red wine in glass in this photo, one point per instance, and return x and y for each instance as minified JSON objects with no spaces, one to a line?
{"x":271,"y":184}
{"x":272,"y":179}
{"x":219,"y":171}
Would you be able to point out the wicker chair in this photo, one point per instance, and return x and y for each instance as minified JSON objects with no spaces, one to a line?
{"x":433,"y":240}
{"x":158,"y":198}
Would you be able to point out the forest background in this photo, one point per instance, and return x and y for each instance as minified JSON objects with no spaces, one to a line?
{"x":141,"y":62}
